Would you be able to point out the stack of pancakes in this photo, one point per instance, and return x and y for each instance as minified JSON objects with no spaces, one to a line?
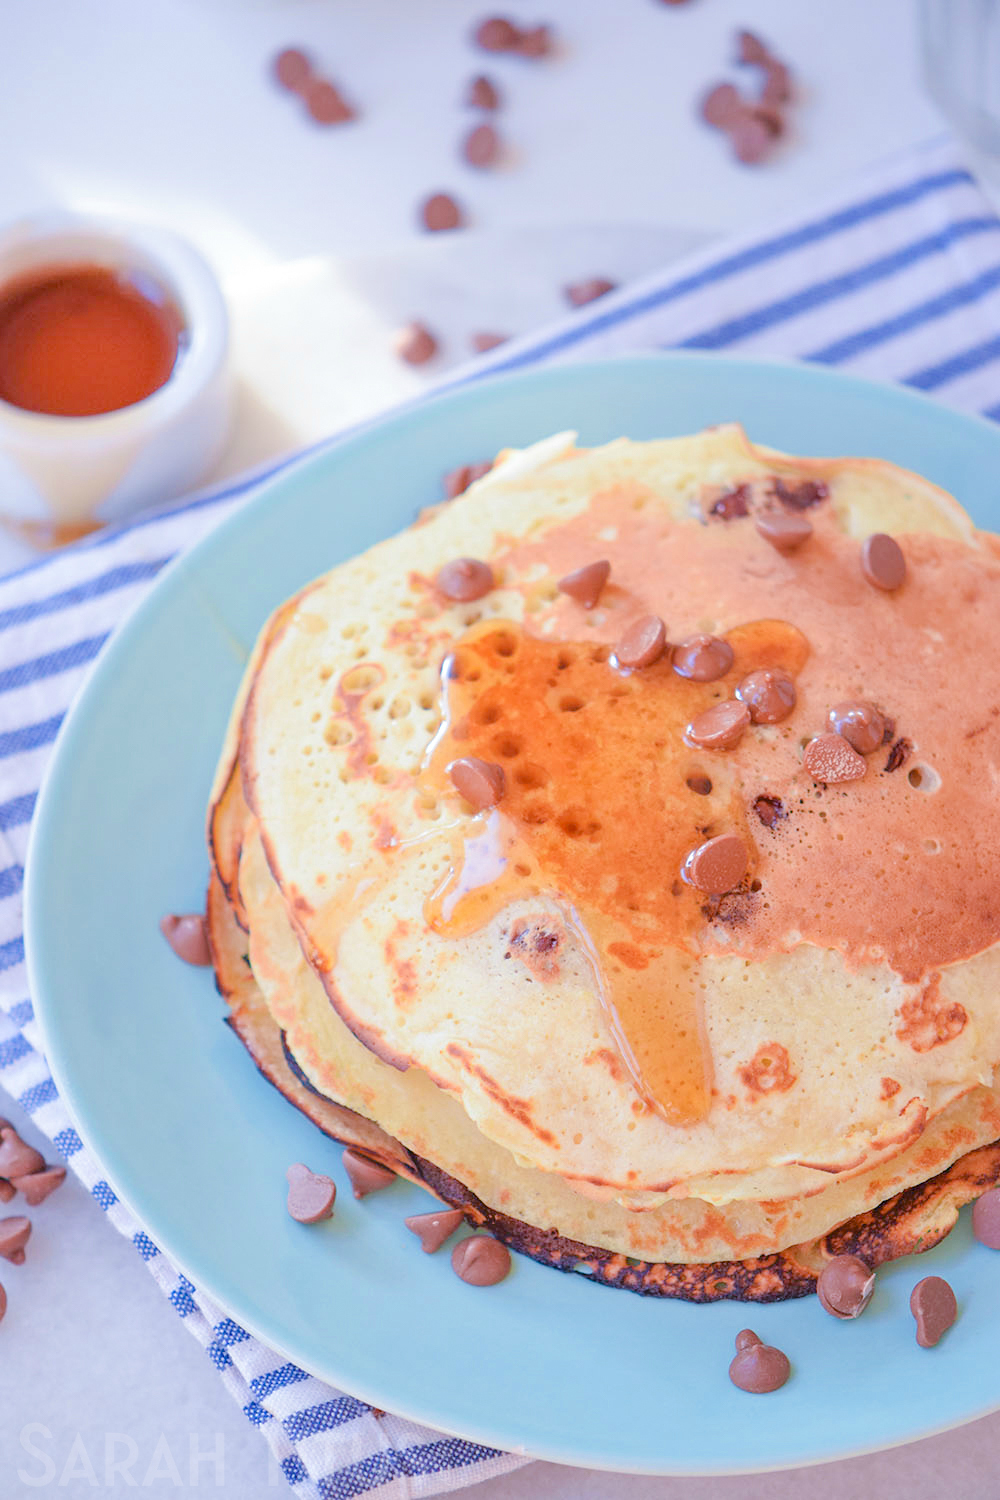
{"x":526,"y":1006}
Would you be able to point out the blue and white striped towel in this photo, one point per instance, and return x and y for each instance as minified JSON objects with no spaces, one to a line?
{"x":899,"y":279}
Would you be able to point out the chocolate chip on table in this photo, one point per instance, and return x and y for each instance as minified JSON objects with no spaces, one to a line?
{"x":457,"y":481}
{"x":777,"y":83}
{"x":718,"y":865}
{"x":719,"y":727}
{"x":533,"y":41}
{"x":483,"y":94}
{"x":7,"y":1190}
{"x":882,"y":562}
{"x":784,"y":531}
{"x":756,"y":1367}
{"x":3,"y":1303}
{"x":434,"y":1228}
{"x":415,"y":344}
{"x":579,"y":293}
{"x":311,"y":1195}
{"x":187,"y":935}
{"x":440,"y":211}
{"x":37,"y":1186}
{"x":14,"y":1235}
{"x":643,"y":643}
{"x":17,"y":1158}
{"x":586,"y":584}
{"x":752,"y":50}
{"x":481,"y":147}
{"x":933,"y":1304}
{"x":367,"y":1176}
{"x":845,"y":1286}
{"x":496,"y":34}
{"x":481,"y":782}
{"x":986,"y":1218}
{"x":752,"y":139}
{"x":465,"y":579}
{"x":702,"y":658}
{"x":860,"y":723}
{"x":722,"y":106}
{"x":484,"y":342}
{"x":292,"y":69}
{"x":769,"y":695}
{"x":480,"y":1260}
{"x":830,"y":759}
{"x":325,"y":103}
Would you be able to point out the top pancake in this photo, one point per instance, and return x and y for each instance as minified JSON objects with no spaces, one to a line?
{"x":839,"y":1006}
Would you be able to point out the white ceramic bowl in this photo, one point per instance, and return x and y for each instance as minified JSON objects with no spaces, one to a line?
{"x":61,"y":476}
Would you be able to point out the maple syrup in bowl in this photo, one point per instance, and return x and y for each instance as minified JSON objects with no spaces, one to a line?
{"x":114,"y":388}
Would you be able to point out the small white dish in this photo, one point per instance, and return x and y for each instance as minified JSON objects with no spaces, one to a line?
{"x":61,"y":476}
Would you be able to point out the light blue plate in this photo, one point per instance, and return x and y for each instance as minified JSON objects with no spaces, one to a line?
{"x":197,"y":1142}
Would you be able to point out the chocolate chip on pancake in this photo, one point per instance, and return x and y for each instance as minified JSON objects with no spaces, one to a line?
{"x":586,"y":584}
{"x":769,"y":695}
{"x":883,"y":563}
{"x":830,"y":759}
{"x":480,"y":782}
{"x":935,"y":1307}
{"x":718,"y":865}
{"x":481,"y":1260}
{"x":845,"y":1286}
{"x":860,"y":723}
{"x":702,"y":658}
{"x":732,"y":504}
{"x":465,"y":580}
{"x":457,"y":481}
{"x":785,"y":530}
{"x":434,"y":1228}
{"x":770,"y":810}
{"x":367,"y":1176}
{"x":799,"y":494}
{"x":643,"y":643}
{"x":719,"y":727}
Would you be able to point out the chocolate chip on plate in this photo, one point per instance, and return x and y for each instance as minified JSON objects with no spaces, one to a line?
{"x":757,"y":1367}
{"x":643,"y":643}
{"x":367,"y":1176}
{"x":785,"y":530}
{"x":480,"y":1260}
{"x":187,"y":935}
{"x":292,"y":69}
{"x":986,"y":1218}
{"x":882,"y":562}
{"x":434,"y":1228}
{"x":416,"y":344}
{"x":481,"y":147}
{"x":845,"y":1286}
{"x":933,"y":1304}
{"x":860,"y":723}
{"x":465,"y":579}
{"x":311,"y":1195}
{"x":719,"y":727}
{"x":769,"y":694}
{"x":586,"y":584}
{"x":702,"y":658}
{"x":579,"y":293}
{"x":718,"y":865}
{"x":440,"y":211}
{"x":481,"y":782}
{"x":830,"y":759}
{"x":483,"y":94}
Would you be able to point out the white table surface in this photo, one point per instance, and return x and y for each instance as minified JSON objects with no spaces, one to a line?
{"x":163,"y":110}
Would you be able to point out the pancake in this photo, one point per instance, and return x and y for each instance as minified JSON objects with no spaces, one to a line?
{"x":529,"y":998}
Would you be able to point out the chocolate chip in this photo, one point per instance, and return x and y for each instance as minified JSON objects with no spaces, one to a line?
{"x":898,"y":755}
{"x":480,"y":1260}
{"x":770,"y":116}
{"x":986,"y":1219}
{"x":750,"y":49}
{"x":36,"y":1187}
{"x":882,"y":562}
{"x":718,"y":865}
{"x":496,"y":34}
{"x":702,"y":658}
{"x":434,"y":1228}
{"x":732,"y":505}
{"x":533,"y":41}
{"x":440,"y":211}
{"x":785,"y":532}
{"x":464,"y":580}
{"x":481,"y":147}
{"x":480,"y":782}
{"x":483,"y":94}
{"x":701,"y":785}
{"x":457,"y":481}
{"x":188,"y":937}
{"x":326,"y":104}
{"x":777,"y":83}
{"x":581,"y":292}
{"x":768,"y":694}
{"x":722,"y":106}
{"x":416,"y":344}
{"x":367,"y":1176}
{"x":752,"y":140}
{"x":845,"y":1286}
{"x":860,"y":723}
{"x":484,"y":342}
{"x":586,"y":584}
{"x":933,"y":1304}
{"x":14,"y":1235}
{"x":7,"y":1190}
{"x":770,"y":810}
{"x":746,"y":1339}
{"x":292,"y":69}
{"x":830,"y":759}
{"x":799,"y":494}
{"x":17,"y":1158}
{"x":310,"y":1194}
{"x":759,"y":1368}
{"x":719,"y":727}
{"x":643,"y":643}
{"x":3,"y":1303}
